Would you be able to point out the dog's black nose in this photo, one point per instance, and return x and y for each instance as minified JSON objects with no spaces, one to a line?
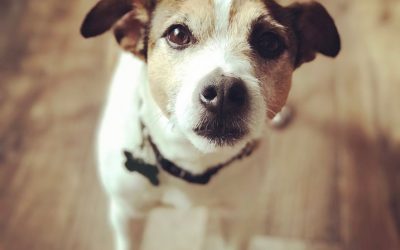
{"x":227,"y":95}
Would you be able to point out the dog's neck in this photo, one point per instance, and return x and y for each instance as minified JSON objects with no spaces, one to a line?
{"x":171,"y":142}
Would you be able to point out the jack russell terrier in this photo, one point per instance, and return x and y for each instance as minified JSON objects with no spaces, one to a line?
{"x":186,"y":121}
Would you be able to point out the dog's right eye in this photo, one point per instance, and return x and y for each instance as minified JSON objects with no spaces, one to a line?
{"x":179,"y":36}
{"x":268,"y":44}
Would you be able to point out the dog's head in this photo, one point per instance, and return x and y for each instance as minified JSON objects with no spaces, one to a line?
{"x":218,"y":68}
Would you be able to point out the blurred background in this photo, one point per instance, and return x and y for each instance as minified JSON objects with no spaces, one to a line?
{"x":333,"y":178}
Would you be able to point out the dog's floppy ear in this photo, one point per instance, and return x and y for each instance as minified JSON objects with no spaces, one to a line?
{"x":128,"y":18}
{"x":315,"y":30}
{"x":131,"y":31}
{"x":103,"y":16}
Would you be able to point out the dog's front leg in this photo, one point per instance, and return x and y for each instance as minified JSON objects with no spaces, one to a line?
{"x":127,"y":227}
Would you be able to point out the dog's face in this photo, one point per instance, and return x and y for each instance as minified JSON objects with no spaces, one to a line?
{"x":218,"y":68}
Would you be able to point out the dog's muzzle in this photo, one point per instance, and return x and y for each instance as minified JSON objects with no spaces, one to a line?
{"x":224,"y":101}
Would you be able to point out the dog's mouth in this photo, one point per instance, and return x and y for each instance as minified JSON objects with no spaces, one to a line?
{"x":222,"y":132}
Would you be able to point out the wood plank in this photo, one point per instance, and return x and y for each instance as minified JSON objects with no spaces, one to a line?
{"x":367,"y":220}
{"x":274,"y":243}
{"x":49,"y":193}
{"x":383,"y":49}
{"x":301,"y":192}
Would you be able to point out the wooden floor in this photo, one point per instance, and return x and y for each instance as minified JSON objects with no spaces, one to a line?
{"x":334,"y":173}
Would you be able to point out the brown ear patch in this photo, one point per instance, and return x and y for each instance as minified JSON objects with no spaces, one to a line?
{"x":315,"y":30}
{"x":131,"y":32}
{"x":103,"y":16}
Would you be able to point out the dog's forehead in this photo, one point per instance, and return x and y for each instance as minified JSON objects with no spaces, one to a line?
{"x":207,"y":17}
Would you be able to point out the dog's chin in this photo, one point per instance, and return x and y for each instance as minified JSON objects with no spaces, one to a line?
{"x":218,"y":134}
{"x":222,"y":131}
{"x":214,"y":140}
{"x":207,"y":145}
{"x":221,"y":137}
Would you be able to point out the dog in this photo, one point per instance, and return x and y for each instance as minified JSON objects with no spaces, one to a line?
{"x":186,"y":119}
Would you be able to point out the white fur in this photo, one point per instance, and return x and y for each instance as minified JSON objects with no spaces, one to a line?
{"x":222,"y":11}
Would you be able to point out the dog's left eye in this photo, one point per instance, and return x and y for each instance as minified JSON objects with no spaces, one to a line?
{"x":269,"y":45}
{"x":179,"y":36}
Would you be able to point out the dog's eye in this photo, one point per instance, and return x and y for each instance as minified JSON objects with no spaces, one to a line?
{"x":179,"y":36}
{"x":269,"y":45}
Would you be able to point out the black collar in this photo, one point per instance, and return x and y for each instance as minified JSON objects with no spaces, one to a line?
{"x":151,"y":172}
